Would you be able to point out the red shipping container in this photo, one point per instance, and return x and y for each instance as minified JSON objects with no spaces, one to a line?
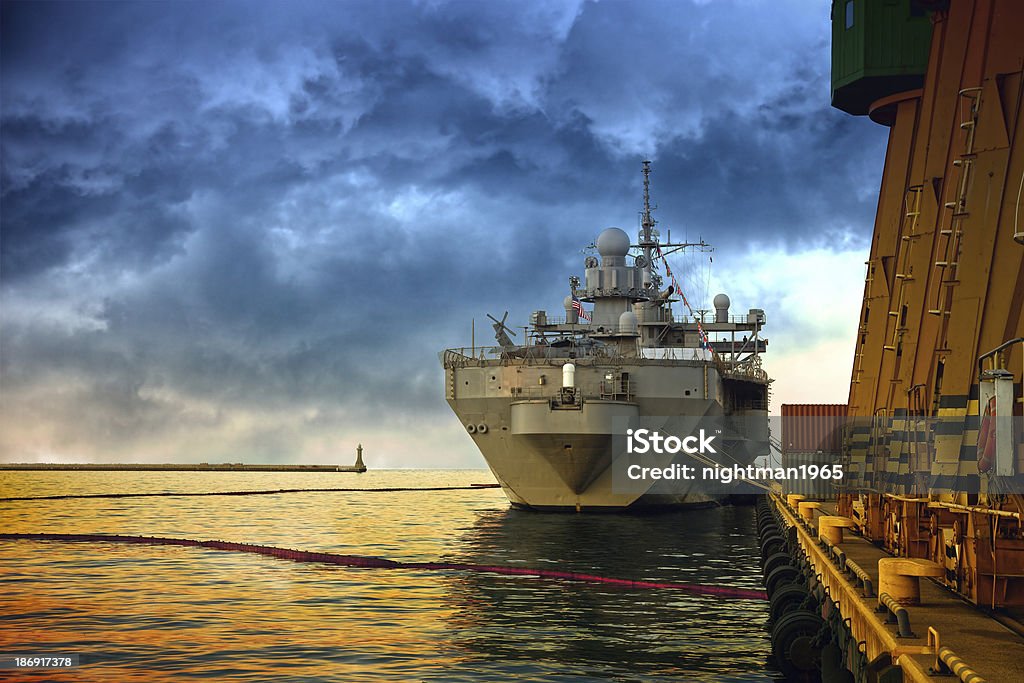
{"x":812,"y":427}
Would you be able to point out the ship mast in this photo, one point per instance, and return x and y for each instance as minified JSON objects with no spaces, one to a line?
{"x":647,"y":222}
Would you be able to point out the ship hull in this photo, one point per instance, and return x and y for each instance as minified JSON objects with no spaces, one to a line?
{"x":540,"y":474}
{"x":554,"y":457}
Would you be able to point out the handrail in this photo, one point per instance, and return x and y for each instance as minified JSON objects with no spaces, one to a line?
{"x":615,"y":390}
{"x":482,"y":355}
{"x":956,"y":506}
{"x":984,"y":356}
{"x":980,"y":510}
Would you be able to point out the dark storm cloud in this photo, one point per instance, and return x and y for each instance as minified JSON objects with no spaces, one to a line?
{"x":215,"y":216}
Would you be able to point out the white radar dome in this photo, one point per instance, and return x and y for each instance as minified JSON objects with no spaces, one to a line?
{"x":612,"y":242}
{"x":722,"y":308}
{"x":627,"y":323}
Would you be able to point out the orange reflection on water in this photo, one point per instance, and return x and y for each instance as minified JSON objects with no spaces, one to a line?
{"x":162,"y":611}
{"x":149,"y":613}
{"x":156,"y":613}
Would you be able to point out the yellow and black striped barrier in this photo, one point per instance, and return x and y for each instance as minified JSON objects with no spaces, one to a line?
{"x":862,"y":576}
{"x":902,"y":616}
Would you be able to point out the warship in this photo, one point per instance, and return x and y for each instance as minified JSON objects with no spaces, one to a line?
{"x":544,"y":413}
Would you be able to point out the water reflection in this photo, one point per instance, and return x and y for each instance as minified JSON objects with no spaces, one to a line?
{"x":164,"y":613}
{"x":552,"y":627}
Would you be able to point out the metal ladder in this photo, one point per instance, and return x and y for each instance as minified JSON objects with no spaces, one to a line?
{"x":904,"y":268}
{"x":946,"y":266}
{"x":862,"y":329}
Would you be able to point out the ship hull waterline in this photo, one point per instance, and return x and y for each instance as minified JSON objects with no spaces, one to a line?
{"x":550,"y":458}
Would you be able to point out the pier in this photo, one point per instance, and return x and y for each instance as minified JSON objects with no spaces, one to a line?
{"x":841,"y":603}
{"x":175,"y":467}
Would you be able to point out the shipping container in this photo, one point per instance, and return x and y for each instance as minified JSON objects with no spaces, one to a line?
{"x":812,"y":427}
{"x":810,"y":483}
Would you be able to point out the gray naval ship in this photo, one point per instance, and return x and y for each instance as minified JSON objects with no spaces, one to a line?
{"x":544,"y":413}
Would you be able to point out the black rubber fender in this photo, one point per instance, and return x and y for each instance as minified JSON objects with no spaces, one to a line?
{"x":787,"y":599}
{"x":772,"y":545}
{"x":781,"y":576}
{"x":779,"y":559}
{"x":793,"y":645}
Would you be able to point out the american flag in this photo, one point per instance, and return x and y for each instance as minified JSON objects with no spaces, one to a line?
{"x":577,"y":306}
{"x":705,"y":343}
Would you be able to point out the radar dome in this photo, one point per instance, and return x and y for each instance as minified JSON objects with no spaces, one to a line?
{"x":570,"y":313}
{"x":612,"y":242}
{"x":627,"y":323}
{"x":722,"y":308}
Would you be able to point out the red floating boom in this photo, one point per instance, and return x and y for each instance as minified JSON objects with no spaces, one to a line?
{"x":381,"y":563}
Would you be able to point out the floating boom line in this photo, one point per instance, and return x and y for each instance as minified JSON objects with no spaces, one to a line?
{"x":266,"y":492}
{"x":383,"y":563}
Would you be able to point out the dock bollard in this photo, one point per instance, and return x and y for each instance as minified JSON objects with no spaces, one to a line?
{"x":807,"y":508}
{"x":900,"y":577}
{"x":830,"y":528}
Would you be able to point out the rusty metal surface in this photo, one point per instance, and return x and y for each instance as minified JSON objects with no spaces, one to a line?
{"x":812,"y":427}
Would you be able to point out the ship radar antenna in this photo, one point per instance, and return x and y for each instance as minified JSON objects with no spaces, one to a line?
{"x":647,"y":240}
{"x":647,"y":221}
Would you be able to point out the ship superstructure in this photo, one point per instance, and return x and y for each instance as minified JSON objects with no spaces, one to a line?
{"x":544,"y":412}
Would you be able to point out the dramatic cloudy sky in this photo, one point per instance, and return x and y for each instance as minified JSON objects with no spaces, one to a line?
{"x":243,"y":231}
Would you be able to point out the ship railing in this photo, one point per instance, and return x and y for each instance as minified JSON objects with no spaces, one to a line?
{"x":605,"y":390}
{"x":745,"y":371}
{"x":751,"y":404}
{"x":482,"y":355}
{"x":586,"y":325}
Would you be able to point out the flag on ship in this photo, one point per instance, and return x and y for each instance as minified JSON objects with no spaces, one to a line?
{"x":577,"y":306}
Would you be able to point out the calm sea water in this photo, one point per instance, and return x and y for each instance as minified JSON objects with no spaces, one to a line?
{"x":152,"y":613}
